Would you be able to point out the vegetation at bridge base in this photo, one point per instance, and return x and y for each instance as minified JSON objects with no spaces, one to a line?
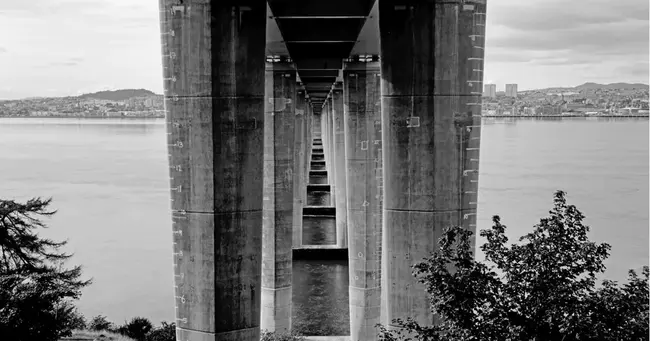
{"x":281,"y":336}
{"x":138,"y":329}
{"x":541,"y":289}
{"x":36,"y":290}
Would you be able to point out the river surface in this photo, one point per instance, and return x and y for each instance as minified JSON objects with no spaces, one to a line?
{"x":109,"y":181}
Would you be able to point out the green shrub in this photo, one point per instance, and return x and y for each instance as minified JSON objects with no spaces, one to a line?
{"x":543,"y":288}
{"x":99,"y":323}
{"x":166,"y":332}
{"x":137,"y":328}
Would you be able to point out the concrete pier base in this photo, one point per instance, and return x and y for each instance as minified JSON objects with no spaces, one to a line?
{"x":214,"y":104}
{"x":277,"y":225}
{"x":364,"y":169}
{"x":430,"y":130}
{"x":340,"y":168}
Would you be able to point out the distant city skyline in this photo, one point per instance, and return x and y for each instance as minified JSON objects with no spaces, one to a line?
{"x":51,"y":48}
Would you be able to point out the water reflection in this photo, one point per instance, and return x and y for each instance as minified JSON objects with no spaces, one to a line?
{"x":320,"y":297}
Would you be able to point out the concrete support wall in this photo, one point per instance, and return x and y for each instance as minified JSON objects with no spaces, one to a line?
{"x":308,"y":141}
{"x":331,"y":173}
{"x":431,"y":99}
{"x":277,"y":225}
{"x":213,"y":64}
{"x":338,"y":128}
{"x":299,"y":183}
{"x":364,"y":170}
{"x":325,"y":138}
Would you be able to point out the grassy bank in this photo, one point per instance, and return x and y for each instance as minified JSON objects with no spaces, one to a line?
{"x":87,"y":335}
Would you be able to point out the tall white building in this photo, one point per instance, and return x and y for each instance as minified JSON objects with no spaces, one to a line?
{"x":490,"y":90}
{"x":511,"y":90}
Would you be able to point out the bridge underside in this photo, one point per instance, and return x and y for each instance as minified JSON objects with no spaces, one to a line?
{"x":376,"y":104}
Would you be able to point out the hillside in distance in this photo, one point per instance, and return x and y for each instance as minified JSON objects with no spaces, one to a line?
{"x":119,"y":95}
{"x":625,"y":86}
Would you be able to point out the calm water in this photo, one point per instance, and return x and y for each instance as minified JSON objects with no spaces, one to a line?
{"x":110,"y":184}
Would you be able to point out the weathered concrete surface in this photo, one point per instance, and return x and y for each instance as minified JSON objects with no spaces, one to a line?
{"x":277,"y":225}
{"x":430,"y":127}
{"x":340,"y":169}
{"x":299,"y":183}
{"x":364,"y":169}
{"x":307,"y":143}
{"x":325,"y":139}
{"x":329,"y":162}
{"x":214,"y":104}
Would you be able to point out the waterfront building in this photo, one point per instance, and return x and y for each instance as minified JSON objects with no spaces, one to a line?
{"x":490,"y":90}
{"x":511,"y":90}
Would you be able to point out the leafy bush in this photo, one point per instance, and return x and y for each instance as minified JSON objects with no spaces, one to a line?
{"x":136,"y":329}
{"x":281,"y":336}
{"x":99,"y":323}
{"x":77,"y":320}
{"x":545,"y":290}
{"x":166,"y":332}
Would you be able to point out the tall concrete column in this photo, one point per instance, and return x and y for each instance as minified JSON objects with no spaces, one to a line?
{"x":338,"y":132}
{"x":308,"y":140}
{"x":331,"y":174}
{"x":363,"y":164}
{"x":325,"y":138}
{"x":299,"y":184}
{"x":432,"y":67}
{"x":277,"y":225}
{"x":213,"y":60}
{"x":214,"y":112}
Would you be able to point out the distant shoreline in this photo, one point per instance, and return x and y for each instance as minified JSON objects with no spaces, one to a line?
{"x":566,"y":116}
{"x":482,"y":116}
{"x":90,"y":117}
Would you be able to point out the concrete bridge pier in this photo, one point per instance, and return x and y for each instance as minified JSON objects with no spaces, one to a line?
{"x":325,"y":138}
{"x":340,"y":169}
{"x":331,"y":175}
{"x":430,"y":130}
{"x":214,"y":104}
{"x":299,"y":183}
{"x":363,"y":164}
{"x":277,"y":225}
{"x":308,"y":142}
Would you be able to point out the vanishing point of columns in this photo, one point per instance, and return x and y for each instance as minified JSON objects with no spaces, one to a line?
{"x":400,"y":137}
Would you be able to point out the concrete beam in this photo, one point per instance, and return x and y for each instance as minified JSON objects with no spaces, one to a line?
{"x":278,"y":218}
{"x":318,"y":73}
{"x":323,"y":49}
{"x":430,"y":129}
{"x":314,"y":30}
{"x":301,"y":8}
{"x":318,"y":63}
{"x":319,"y":80}
{"x":215,"y":130}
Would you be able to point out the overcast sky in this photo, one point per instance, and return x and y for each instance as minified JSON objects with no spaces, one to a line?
{"x":69,"y":47}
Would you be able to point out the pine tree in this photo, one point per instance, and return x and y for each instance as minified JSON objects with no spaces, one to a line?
{"x":36,"y":290}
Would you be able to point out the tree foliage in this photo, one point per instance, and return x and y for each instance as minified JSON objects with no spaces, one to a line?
{"x":100,"y":323}
{"x":36,"y":290}
{"x":166,"y":332}
{"x":137,"y":328}
{"x":542,"y":289}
